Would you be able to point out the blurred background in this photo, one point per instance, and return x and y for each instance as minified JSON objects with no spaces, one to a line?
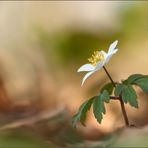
{"x":42,"y":44}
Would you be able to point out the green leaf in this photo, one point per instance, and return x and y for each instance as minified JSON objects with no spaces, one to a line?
{"x":75,"y":119}
{"x":125,"y":82}
{"x":131,"y":79}
{"x":129,"y":95}
{"x":98,"y":108}
{"x":142,"y":83}
{"x":109,"y":87}
{"x":118,"y":89}
{"x":83,"y":110}
{"x":105,"y":96}
{"x":81,"y":115}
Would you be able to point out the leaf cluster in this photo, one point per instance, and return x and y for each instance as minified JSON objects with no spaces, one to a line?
{"x":98,"y":108}
{"x":124,"y":90}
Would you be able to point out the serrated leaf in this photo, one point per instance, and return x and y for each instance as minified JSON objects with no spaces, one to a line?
{"x":103,"y":108}
{"x":131,"y":79}
{"x":142,"y":83}
{"x":109,"y":87}
{"x":125,"y":82}
{"x":98,"y":108}
{"x":105,"y":96}
{"x":118,"y":89}
{"x":129,"y":95}
{"x":75,"y":119}
{"x":81,"y":115}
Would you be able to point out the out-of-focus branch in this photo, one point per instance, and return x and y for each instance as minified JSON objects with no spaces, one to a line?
{"x":33,"y":119}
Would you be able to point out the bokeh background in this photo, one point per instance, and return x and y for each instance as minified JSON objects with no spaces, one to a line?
{"x":42,"y":44}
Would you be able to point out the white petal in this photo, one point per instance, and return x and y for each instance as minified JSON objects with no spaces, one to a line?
{"x":100,"y":64}
{"x":109,"y":55}
{"x":86,"y":67}
{"x":112,"y":46}
{"x":86,"y":76}
{"x":114,"y":51}
{"x":108,"y":58}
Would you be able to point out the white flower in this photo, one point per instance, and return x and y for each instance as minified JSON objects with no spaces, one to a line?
{"x":98,"y":60}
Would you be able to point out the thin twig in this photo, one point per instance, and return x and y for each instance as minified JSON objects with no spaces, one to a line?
{"x":114,"y":98}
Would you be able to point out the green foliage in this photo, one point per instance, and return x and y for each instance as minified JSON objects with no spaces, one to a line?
{"x":126,"y":90}
{"x":98,"y":105}
{"x":129,"y":95}
{"x":105,"y":96}
{"x":75,"y":119}
{"x":118,"y":89}
{"x":81,"y":115}
{"x":109,"y":87}
{"x":139,"y":80}
{"x":131,"y":79}
{"x":98,"y":108}
{"x":142,"y":83}
{"x":123,"y":90}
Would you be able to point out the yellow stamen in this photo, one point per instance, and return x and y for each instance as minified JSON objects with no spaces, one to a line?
{"x":96,"y":57}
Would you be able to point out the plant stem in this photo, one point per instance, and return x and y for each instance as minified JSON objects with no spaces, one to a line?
{"x":124,"y":112}
{"x":114,"y":98}
{"x":120,"y":99}
{"x":109,"y":76}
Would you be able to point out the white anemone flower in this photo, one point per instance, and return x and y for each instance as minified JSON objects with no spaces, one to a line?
{"x":98,"y":60}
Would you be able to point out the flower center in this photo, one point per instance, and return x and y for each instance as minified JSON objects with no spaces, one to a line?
{"x":96,"y":57}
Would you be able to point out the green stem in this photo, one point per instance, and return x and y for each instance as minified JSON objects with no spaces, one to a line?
{"x":120,"y":99}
